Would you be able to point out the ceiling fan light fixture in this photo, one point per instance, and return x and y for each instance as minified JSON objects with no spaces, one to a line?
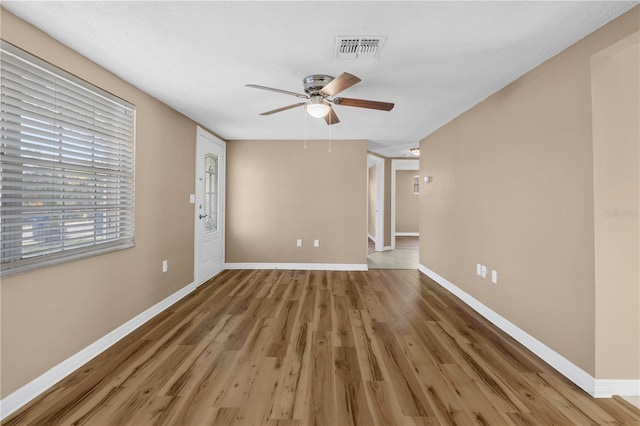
{"x":415,"y":151}
{"x":317,"y":107}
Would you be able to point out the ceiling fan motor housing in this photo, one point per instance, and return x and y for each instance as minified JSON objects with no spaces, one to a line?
{"x":320,"y":91}
{"x":314,"y":83}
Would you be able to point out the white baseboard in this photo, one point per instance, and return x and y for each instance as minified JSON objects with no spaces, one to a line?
{"x":598,"y":388}
{"x":606,"y":388}
{"x":407,"y":234}
{"x":26,"y":393}
{"x":301,"y":266}
{"x":387,"y":248}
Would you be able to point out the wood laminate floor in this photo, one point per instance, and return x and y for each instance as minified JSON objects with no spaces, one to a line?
{"x":274,"y":347}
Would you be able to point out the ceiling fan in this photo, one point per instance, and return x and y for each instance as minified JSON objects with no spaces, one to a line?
{"x":320,"y":92}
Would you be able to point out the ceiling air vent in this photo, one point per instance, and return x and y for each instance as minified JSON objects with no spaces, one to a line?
{"x":356,"y":47}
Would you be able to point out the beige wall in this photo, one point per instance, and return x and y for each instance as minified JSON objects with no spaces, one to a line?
{"x":407,"y":207}
{"x":50,"y":314}
{"x":513,"y":189}
{"x":616,"y":162}
{"x":372,"y":201}
{"x":278,"y":192}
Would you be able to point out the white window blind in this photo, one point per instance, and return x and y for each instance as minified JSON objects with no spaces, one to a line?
{"x":66,"y":166}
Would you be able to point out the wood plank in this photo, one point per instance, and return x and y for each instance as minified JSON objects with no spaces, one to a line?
{"x":283,"y":326}
{"x":196,"y":398}
{"x":322,"y":390}
{"x":385,"y":409}
{"x":447,"y":406}
{"x":397,"y":371}
{"x":294,"y":380}
{"x":341,"y":333}
{"x":366,"y":349}
{"x":476,"y":403}
{"x":351,"y":399}
{"x":260,"y":397}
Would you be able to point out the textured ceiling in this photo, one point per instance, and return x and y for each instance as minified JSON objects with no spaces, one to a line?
{"x":439,"y":59}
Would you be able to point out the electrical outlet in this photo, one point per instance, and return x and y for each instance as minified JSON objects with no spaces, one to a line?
{"x":316,"y":243}
{"x":494,"y":276}
{"x":483,"y":272}
{"x":165,"y":265}
{"x":298,"y":243}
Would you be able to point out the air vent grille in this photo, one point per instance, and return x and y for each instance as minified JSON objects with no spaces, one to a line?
{"x":359,"y":47}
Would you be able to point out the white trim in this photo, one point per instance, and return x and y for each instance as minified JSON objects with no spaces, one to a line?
{"x":371,"y":237}
{"x":387,"y":248}
{"x":26,"y":393}
{"x":413,"y":164}
{"x":605,"y":388}
{"x":378,"y":163}
{"x":301,"y":266}
{"x":407,"y":234}
{"x":598,"y":388}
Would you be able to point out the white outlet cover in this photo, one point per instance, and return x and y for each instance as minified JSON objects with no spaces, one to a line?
{"x":316,"y":243}
{"x":299,"y":243}
{"x":165,"y":266}
{"x":494,"y":276}
{"x":192,"y":198}
{"x":484,"y":271}
{"x":478,"y":269}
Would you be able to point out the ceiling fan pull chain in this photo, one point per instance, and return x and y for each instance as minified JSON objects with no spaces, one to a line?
{"x":305,"y":129}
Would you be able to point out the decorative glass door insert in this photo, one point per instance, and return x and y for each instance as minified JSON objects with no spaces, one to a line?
{"x":210,"y":193}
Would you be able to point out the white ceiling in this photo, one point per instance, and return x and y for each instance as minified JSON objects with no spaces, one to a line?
{"x":439,"y":59}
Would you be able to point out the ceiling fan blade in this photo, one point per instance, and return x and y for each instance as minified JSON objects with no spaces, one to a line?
{"x":331,"y":117}
{"x":271,"y":89}
{"x":363,"y":103}
{"x":340,"y":83}
{"x":273,"y":111}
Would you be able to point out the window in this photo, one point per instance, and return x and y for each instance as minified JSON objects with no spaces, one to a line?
{"x":66,"y":166}
{"x":211,"y":193}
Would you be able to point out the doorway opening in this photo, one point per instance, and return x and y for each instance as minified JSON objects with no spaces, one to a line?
{"x":375,"y":203}
{"x":402,"y":251}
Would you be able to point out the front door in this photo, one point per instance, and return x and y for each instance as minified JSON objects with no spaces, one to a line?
{"x":209,"y":211}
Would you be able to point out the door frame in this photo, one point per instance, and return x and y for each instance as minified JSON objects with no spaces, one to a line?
{"x":200,"y":134}
{"x":412,"y":164}
{"x":378,"y":163}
